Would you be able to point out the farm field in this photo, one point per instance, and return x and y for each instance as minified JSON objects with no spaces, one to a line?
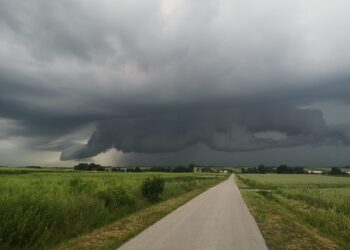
{"x":299,"y":211}
{"x":41,"y":209}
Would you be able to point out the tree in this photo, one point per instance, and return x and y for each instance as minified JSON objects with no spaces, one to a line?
{"x":180,"y":169}
{"x":336,"y":171}
{"x":261,"y":169}
{"x":299,"y":170}
{"x":89,"y":167}
{"x":283,"y":169}
{"x":191,"y":167}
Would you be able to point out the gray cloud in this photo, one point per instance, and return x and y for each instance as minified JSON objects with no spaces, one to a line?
{"x":160,"y":76}
{"x":223,"y":130}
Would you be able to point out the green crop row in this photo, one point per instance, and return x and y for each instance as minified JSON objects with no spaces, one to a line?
{"x":39,"y":210}
{"x":317,"y":203}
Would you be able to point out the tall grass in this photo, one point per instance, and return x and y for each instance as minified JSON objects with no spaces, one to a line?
{"x":337,"y":199}
{"x":39,"y":210}
{"x":296,"y":181}
{"x":321,"y":203}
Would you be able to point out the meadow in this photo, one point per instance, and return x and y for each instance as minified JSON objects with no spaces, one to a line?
{"x":40,"y":209}
{"x":300,"y":211}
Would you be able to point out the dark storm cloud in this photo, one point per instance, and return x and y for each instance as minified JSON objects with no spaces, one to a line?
{"x":224,"y":130}
{"x":160,"y":76}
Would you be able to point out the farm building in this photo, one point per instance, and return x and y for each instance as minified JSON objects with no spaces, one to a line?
{"x":315,"y":172}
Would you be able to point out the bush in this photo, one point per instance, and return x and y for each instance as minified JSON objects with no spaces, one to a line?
{"x":152,"y":187}
{"x":336,"y":171}
{"x":77,"y":185}
{"x":114,"y":197}
{"x":89,"y":167}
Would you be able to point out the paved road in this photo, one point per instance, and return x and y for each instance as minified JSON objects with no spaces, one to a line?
{"x":216,"y":219}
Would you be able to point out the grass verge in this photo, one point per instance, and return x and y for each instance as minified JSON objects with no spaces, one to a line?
{"x":299,"y":215}
{"x":40,"y":210}
{"x":282,"y":229}
{"x":115,"y":234}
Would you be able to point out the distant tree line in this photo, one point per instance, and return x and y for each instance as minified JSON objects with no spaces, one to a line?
{"x":98,"y":167}
{"x":177,"y":169}
{"x":180,"y":169}
{"x":37,"y":167}
{"x":169,"y":169}
{"x":283,"y":169}
{"x":89,"y":167}
{"x":336,"y":171}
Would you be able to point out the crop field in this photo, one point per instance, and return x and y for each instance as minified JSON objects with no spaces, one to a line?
{"x":40,"y":209}
{"x":300,"y":211}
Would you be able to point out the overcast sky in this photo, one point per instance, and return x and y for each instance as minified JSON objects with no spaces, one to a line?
{"x":174,"y":81}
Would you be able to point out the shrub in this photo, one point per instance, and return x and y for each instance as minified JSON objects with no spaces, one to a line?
{"x":114,"y":197}
{"x":77,"y":185}
{"x":336,"y":171}
{"x":152,"y":187}
{"x":89,"y":167}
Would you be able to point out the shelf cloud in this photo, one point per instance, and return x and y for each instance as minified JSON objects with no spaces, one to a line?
{"x":160,"y":76}
{"x":224,"y":130}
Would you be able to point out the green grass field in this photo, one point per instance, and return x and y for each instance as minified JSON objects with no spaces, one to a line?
{"x":300,"y":211}
{"x":292,"y":180}
{"x":40,"y":209}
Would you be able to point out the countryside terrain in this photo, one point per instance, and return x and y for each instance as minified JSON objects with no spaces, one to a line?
{"x":215,"y":219}
{"x":59,"y":208}
{"x":299,"y":211}
{"x":44,"y":209}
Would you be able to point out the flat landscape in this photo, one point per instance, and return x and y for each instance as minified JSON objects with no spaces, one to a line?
{"x":46,"y":209}
{"x":299,"y":211}
{"x":216,"y":219}
{"x":174,"y":125}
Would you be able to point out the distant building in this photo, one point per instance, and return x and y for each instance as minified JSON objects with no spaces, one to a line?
{"x":197,"y":170}
{"x":216,"y":170}
{"x":119,"y":169}
{"x":315,"y":172}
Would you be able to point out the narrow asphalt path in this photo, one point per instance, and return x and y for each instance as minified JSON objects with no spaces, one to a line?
{"x":216,"y":219}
